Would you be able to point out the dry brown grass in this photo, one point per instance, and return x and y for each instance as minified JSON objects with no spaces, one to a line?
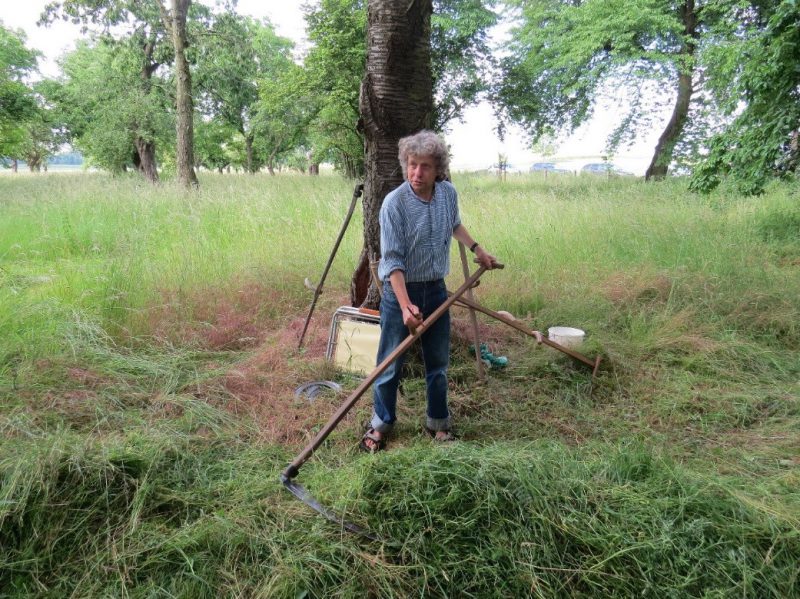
{"x":636,"y":287}
{"x":263,"y":386}
{"x":234,"y":318}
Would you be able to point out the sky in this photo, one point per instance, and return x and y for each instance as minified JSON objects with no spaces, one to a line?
{"x":473,"y":142}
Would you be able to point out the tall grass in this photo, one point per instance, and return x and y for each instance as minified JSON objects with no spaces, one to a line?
{"x":76,"y":247}
{"x":125,"y":472}
{"x":117,"y":248}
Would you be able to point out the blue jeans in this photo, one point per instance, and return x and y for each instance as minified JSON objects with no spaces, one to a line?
{"x":427,"y":297}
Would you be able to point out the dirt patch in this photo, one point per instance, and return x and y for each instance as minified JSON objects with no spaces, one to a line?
{"x":780,"y":445}
{"x":263,"y":386}
{"x":789,"y":261}
{"x":77,"y":407}
{"x":688,"y":344}
{"x":264,"y":321}
{"x":766,"y":313}
{"x":86,"y":377}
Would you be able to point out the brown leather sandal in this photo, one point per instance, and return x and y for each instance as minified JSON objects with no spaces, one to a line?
{"x":447,"y":438}
{"x":378,"y":443}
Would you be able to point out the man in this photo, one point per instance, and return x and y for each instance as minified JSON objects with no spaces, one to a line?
{"x":418,"y":220}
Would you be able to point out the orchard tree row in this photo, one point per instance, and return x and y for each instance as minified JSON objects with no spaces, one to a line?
{"x":157,"y":87}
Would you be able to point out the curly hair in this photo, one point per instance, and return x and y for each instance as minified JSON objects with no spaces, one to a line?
{"x":425,"y":143}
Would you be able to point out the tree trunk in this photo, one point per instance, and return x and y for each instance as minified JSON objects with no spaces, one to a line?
{"x":311,"y":164}
{"x":34,"y":161}
{"x":350,"y":167}
{"x":248,"y":148}
{"x":793,"y":154}
{"x":396,"y":100}
{"x":14,"y":165}
{"x":146,"y":159}
{"x":185,"y":132}
{"x":144,"y":156}
{"x":671,"y":134}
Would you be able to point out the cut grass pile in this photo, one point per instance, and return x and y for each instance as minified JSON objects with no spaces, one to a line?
{"x":144,"y":515}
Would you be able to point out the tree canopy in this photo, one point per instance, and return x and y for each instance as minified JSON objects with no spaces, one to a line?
{"x":724,"y":71}
{"x":17,"y":101}
{"x":564,"y":54}
{"x":109,"y":107}
{"x":125,"y":116}
{"x":333,"y":71}
{"x":709,"y":55}
{"x":232,"y":59}
{"x":459,"y":67}
{"x":762,"y":141}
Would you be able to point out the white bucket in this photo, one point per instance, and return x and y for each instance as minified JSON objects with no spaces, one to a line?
{"x":566,"y":336}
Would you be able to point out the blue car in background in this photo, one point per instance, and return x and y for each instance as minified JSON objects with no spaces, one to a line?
{"x":507,"y":167}
{"x":549,"y":167}
{"x":603,"y":168}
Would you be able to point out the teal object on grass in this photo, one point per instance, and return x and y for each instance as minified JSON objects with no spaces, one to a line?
{"x":492,"y":361}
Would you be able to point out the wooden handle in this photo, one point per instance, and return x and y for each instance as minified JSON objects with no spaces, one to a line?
{"x":557,"y":346}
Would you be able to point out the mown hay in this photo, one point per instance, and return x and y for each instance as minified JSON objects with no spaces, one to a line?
{"x":510,"y":520}
{"x":191,"y":517}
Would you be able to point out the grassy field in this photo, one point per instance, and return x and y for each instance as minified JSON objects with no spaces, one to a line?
{"x":148,"y":364}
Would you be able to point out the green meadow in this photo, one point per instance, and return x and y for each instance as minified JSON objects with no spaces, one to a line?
{"x":148,"y":362}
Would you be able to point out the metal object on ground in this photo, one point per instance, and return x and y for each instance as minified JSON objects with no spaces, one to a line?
{"x":293,"y":469}
{"x":304,"y":496}
{"x":318,"y":291}
{"x":313,"y":389}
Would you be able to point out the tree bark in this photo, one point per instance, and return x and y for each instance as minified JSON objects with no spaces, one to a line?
{"x":146,"y":159}
{"x":396,"y":100}
{"x":248,"y":148}
{"x":659,"y":165}
{"x":350,"y":167}
{"x":185,"y":108}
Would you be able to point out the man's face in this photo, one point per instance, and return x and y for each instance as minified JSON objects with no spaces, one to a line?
{"x":421,"y":174}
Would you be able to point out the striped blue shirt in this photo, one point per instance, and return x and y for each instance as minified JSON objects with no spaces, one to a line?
{"x":415,"y":234}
